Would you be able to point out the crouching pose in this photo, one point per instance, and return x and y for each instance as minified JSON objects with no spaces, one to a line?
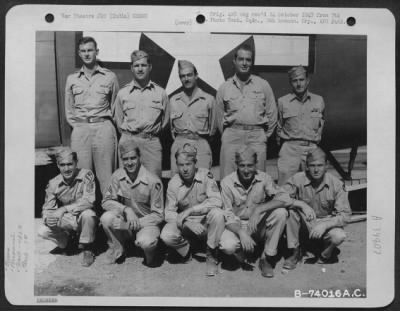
{"x":134,"y":207}
{"x":322,"y":205}
{"x":68,"y":207}
{"x":193,"y":209}
{"x":255,"y":212}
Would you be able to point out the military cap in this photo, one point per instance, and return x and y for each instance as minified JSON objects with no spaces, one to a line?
{"x":65,"y":152}
{"x":295,"y":71}
{"x":315,"y":155}
{"x":138,"y":54}
{"x":182,"y":64}
{"x":244,"y":151}
{"x":128,"y":146}
{"x":187,"y":150}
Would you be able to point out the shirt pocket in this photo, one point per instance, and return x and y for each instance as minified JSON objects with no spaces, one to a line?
{"x":200,"y":120}
{"x":77,"y":90}
{"x":232,"y":103}
{"x":153,"y":110}
{"x":316,"y":118}
{"x":130,"y":111}
{"x":290,"y":120}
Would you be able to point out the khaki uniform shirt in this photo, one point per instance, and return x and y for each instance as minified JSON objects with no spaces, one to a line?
{"x":329,"y":199}
{"x":196,"y":115}
{"x":203,"y":195}
{"x":78,"y":196}
{"x":90,"y":97}
{"x":144,"y":195}
{"x":301,"y":120}
{"x":142,"y":110}
{"x":239,"y":202}
{"x":253,"y":105}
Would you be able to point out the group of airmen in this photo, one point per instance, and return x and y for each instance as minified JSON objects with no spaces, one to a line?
{"x":247,"y":213}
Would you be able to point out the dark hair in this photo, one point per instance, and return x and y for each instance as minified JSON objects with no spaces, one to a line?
{"x":244,"y":47}
{"x":85,"y":40}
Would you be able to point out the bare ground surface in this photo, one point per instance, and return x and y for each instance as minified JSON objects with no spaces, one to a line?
{"x":63,"y":275}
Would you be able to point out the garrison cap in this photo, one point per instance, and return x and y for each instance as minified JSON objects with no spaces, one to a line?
{"x":138,"y":54}
{"x":128,"y":146}
{"x":295,"y":71}
{"x":244,"y":151}
{"x":187,"y":150}
{"x":182,"y":64}
{"x":316,"y":154}
{"x":63,"y":153}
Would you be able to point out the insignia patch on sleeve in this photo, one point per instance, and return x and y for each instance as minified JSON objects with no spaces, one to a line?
{"x":158,"y":186}
{"x":210,"y":175}
{"x":89,"y":181}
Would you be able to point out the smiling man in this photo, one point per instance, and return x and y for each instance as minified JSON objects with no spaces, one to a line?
{"x":193,"y":209}
{"x":133,"y":205}
{"x":246,"y":112}
{"x":255,"y":210}
{"x":192,"y":117}
{"x":324,"y":209}
{"x":142,"y":111}
{"x":89,"y":101}
{"x":300,"y":124}
{"x":69,"y":207}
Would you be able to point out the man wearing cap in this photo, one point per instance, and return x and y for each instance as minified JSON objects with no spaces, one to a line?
{"x":246,"y":112}
{"x":321,"y":205}
{"x":192,"y":117}
{"x":141,"y":112}
{"x":133,"y":205}
{"x":193,"y":209}
{"x":300,"y":124}
{"x":68,"y":207}
{"x":255,"y":210}
{"x":89,"y":102}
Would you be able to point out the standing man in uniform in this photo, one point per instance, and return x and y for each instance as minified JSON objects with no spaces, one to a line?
{"x":300,"y":124}
{"x":321,"y":204}
{"x":193,"y":209}
{"x":134,"y":207}
{"x":89,"y":102}
{"x":141,"y":112}
{"x":255,"y":212}
{"x":246,"y":112}
{"x":192,"y":117}
{"x":68,"y":207}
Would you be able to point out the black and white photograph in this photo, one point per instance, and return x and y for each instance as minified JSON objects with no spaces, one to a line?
{"x":222,"y":154}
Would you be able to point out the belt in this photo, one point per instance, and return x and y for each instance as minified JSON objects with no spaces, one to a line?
{"x":246,"y":127}
{"x":301,"y":142}
{"x":141,"y":135}
{"x":93,"y":120}
{"x":193,"y":136}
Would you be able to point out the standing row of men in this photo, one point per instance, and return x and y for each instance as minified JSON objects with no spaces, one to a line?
{"x":244,"y":111}
{"x":246,"y":114}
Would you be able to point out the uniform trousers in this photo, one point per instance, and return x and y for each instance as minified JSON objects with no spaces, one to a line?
{"x":176,"y":238}
{"x":292,"y":159}
{"x":84,"y":224}
{"x":269,"y":231}
{"x":233,"y":138}
{"x":334,"y":236}
{"x":150,"y":151}
{"x":204,"y":155}
{"x":146,"y":238}
{"x":96,"y":148}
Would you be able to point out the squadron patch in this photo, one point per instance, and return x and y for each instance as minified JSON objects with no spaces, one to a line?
{"x":210,"y":175}
{"x":89,"y":181}
{"x":158,"y":186}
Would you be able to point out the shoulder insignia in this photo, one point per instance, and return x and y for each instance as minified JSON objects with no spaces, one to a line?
{"x":210,"y":175}
{"x":158,"y":186}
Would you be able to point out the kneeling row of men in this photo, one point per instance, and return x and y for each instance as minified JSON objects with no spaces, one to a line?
{"x":250,"y":211}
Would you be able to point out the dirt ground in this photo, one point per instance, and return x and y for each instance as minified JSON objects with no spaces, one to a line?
{"x":63,"y":275}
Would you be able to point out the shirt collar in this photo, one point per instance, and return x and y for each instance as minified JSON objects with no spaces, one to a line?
{"x":134,"y":85}
{"x":78,"y":177}
{"x":98,"y":68}
{"x":237,"y":183}
{"x":197,"y":94}
{"x":140,"y":178}
{"x":196,"y":178}
{"x":306,"y":97}
{"x":236,"y":80}
{"x":323,"y":184}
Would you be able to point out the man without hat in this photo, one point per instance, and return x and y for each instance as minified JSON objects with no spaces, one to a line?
{"x":255,"y":210}
{"x":141,"y":112}
{"x":192,"y":117}
{"x":321,"y":205}
{"x":300,"y":124}
{"x":246,"y":112}
{"x":68,"y":207}
{"x":193,"y":209}
{"x":134,"y":206}
{"x":89,"y":102}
